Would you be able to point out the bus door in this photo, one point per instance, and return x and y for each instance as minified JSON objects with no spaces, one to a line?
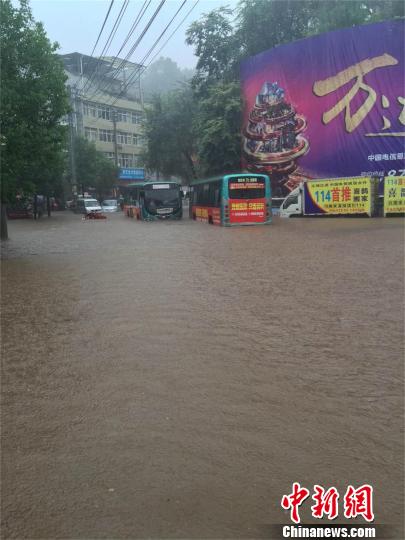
{"x":247,"y":199}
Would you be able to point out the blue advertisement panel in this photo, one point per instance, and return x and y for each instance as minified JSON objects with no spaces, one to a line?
{"x":131,"y":174}
{"x":328,"y":106}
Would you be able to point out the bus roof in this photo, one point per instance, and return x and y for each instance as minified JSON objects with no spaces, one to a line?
{"x":150,"y":182}
{"x":223,"y":176}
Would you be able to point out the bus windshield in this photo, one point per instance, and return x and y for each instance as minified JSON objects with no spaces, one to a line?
{"x":246,"y":188}
{"x":162,"y":197}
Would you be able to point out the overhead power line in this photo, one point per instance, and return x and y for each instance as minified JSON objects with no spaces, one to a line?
{"x":171,"y":35}
{"x":102,"y":28}
{"x":142,"y":68}
{"x":135,"y":24}
{"x":107,"y":44}
{"x":137,"y":20}
{"x":97,"y":40}
{"x":139,"y":70}
{"x":128,"y":55}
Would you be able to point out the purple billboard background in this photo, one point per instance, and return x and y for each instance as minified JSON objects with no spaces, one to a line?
{"x":331,"y":150}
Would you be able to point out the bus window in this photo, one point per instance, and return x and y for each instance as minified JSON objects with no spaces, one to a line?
{"x":214,"y":193}
{"x":217,"y":196}
{"x":205,"y":195}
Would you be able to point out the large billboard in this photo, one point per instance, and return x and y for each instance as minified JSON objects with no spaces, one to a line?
{"x":331,"y":105}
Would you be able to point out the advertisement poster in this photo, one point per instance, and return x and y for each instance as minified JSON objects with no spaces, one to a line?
{"x":330,"y":196}
{"x":394,"y":195}
{"x":331,"y":105}
{"x":246,"y":200}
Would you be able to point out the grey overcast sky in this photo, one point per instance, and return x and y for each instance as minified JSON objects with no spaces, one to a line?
{"x":75,"y":25}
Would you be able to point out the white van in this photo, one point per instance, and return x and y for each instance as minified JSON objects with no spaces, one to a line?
{"x":86,"y":205}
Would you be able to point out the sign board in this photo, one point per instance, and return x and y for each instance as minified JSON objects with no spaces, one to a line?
{"x":253,"y":211}
{"x":394,"y":195}
{"x":340,"y":196}
{"x":131,"y":174}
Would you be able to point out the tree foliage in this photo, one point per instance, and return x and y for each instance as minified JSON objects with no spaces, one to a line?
{"x":216,"y":47}
{"x":218,"y":125}
{"x":169,"y":133}
{"x":263,"y":24}
{"x":33,"y":101}
{"x":93,"y":169}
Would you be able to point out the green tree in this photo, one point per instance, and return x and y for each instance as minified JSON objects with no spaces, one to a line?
{"x":93,"y":169}
{"x":169,"y":134}
{"x":216,"y":46}
{"x":106,"y":178}
{"x":33,"y":101}
{"x":218,"y":125}
{"x":263,"y":24}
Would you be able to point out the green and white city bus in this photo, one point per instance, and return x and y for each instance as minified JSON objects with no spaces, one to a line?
{"x":149,"y":201}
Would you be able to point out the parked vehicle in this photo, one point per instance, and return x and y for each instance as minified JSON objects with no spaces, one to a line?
{"x":86,"y":205}
{"x":334,"y":196}
{"x":110,"y":205}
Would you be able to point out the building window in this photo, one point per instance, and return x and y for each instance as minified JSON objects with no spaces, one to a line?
{"x":135,"y":139}
{"x":125,"y":160}
{"x":106,"y":135}
{"x":122,"y":116}
{"x":135,"y":161}
{"x":91,"y":134}
{"x":124,"y":138}
{"x":90,"y":110}
{"x":109,"y":155}
{"x":104,"y":112}
{"x":136,"y":118}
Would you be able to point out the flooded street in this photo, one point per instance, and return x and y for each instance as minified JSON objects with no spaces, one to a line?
{"x":173,"y":379}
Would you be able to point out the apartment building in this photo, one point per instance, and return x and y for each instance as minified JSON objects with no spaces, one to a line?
{"x":107,"y":108}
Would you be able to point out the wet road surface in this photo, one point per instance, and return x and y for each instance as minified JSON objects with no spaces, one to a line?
{"x":172,"y":379}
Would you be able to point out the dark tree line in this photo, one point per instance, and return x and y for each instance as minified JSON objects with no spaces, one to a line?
{"x":33,"y":101}
{"x":33,"y":104}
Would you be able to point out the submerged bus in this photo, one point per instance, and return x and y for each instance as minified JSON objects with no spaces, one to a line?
{"x":232,"y":199}
{"x":154,"y":200}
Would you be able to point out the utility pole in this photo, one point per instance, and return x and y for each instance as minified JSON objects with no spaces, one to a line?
{"x":73,"y":177}
{"x":114,"y":119}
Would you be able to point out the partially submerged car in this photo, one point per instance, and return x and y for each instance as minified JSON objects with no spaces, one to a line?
{"x":110,"y":205}
{"x":86,"y":205}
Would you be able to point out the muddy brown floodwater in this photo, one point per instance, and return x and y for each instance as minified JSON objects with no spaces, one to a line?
{"x":173,"y":379}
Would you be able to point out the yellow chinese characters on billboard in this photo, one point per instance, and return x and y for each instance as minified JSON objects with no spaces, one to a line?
{"x":339,"y":196}
{"x":394,"y":195}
